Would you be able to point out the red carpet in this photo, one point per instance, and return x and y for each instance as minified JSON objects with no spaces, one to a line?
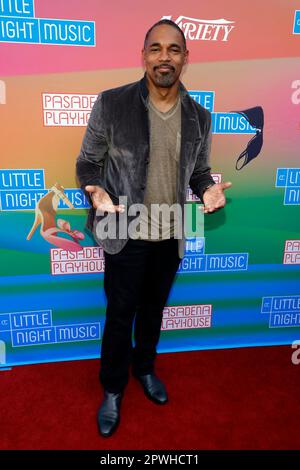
{"x":223,"y":399}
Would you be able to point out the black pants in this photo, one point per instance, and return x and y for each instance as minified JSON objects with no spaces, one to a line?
{"x":137,"y":282}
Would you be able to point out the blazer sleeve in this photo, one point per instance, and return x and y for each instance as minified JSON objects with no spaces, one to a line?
{"x":93,"y":152}
{"x":201,"y":177}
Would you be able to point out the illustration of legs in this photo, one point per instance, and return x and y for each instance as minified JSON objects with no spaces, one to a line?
{"x":45,"y":213}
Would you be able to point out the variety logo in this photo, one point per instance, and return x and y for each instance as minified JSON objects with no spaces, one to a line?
{"x":197,"y":29}
{"x":19,"y":25}
{"x":283,"y":310}
{"x":183,"y":317}
{"x":36,"y":327}
{"x":289,"y":179}
{"x":291,"y":252}
{"x":2,"y":92}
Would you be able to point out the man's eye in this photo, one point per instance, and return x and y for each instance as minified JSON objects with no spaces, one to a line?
{"x":154,"y":49}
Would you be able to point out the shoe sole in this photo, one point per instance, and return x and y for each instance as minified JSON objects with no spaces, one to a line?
{"x":154,"y":400}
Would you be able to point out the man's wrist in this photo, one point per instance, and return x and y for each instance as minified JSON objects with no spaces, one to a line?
{"x":207,"y":187}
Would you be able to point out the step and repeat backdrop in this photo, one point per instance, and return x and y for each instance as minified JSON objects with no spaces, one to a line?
{"x":236,"y":286}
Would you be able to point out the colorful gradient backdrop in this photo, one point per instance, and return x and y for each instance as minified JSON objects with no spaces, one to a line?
{"x":255,"y":67}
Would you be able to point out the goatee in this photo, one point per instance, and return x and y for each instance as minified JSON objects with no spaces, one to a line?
{"x":165,"y":80}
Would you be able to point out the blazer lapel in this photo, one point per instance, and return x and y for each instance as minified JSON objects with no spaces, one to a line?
{"x":189,"y":130}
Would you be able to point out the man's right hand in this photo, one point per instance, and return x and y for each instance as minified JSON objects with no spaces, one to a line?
{"x":102,"y":201}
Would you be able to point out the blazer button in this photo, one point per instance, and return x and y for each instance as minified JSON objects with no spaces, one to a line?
{"x":143,"y":187}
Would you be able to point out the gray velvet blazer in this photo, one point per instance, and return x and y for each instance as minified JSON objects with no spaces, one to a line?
{"x":115,"y":151}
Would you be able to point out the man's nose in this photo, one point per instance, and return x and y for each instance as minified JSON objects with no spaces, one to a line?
{"x":164,"y":55}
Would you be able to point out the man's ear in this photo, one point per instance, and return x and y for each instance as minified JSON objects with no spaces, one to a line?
{"x":186,"y":58}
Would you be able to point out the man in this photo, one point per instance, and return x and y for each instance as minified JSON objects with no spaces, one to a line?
{"x":148,"y":141}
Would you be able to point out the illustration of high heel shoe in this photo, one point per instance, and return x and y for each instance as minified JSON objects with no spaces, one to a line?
{"x":45,"y":213}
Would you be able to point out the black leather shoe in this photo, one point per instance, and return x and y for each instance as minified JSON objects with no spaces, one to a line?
{"x":153,"y":387}
{"x":109,"y":413}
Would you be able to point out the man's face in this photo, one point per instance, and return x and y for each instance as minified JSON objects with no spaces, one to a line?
{"x":164,"y":56}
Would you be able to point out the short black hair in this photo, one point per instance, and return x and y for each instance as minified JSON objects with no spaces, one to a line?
{"x":170,"y":23}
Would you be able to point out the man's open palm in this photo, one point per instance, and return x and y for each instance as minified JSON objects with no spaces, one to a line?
{"x":102,"y":201}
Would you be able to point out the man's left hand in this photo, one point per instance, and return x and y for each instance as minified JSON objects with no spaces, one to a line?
{"x":214,"y":197}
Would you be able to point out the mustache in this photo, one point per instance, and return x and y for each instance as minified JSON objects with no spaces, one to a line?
{"x":164,"y":65}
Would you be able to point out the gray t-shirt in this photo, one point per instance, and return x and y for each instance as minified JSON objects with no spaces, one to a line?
{"x":161,"y":188}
